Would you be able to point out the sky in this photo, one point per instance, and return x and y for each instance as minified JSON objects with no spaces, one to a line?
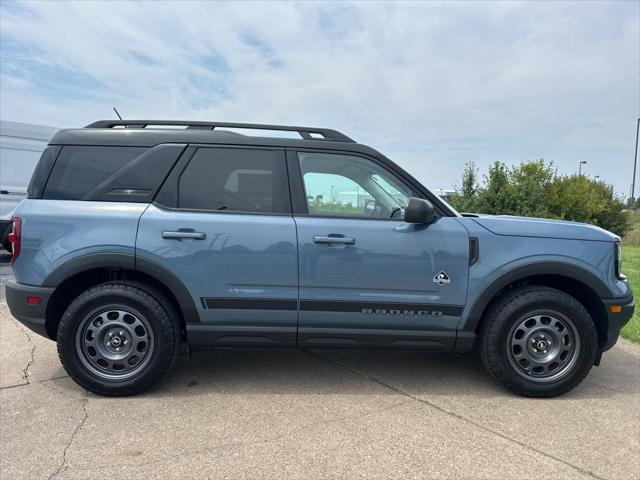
{"x":431,"y":85}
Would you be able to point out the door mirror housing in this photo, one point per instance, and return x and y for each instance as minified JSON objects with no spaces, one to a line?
{"x":419,"y":211}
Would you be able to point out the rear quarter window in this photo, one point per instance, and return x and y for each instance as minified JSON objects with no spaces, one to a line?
{"x":79,"y":170}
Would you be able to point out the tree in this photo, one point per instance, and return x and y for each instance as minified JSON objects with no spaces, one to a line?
{"x":495,"y":198}
{"x":467,"y":200}
{"x":534,"y":189}
{"x":580,"y":199}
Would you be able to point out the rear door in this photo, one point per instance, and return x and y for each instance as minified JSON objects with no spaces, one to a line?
{"x":366,"y":276}
{"x":222,"y":224}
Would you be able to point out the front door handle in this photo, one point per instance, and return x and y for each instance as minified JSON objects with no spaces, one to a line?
{"x":181,"y":234}
{"x":334,"y":240}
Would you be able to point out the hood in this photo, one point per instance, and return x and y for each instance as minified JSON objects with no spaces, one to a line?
{"x":544,"y":228}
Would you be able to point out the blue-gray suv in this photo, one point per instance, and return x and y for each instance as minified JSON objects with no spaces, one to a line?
{"x":139,"y":239}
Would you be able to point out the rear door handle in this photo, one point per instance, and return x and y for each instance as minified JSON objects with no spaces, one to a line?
{"x":180,"y":234}
{"x":331,"y":240}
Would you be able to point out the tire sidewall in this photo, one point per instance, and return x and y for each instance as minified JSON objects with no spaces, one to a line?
{"x":98,"y":299}
{"x":507,"y":318}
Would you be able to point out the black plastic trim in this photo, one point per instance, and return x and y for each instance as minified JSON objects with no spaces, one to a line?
{"x":248,"y":303}
{"x":357,"y":307}
{"x":520,"y":273}
{"x":88,"y":262}
{"x":304,"y":132}
{"x":174,"y":284}
{"x":616,"y":321}
{"x":474,"y":250}
{"x":438,"y":340}
{"x":31,"y":316}
{"x":129,"y":262}
{"x":208,"y":335}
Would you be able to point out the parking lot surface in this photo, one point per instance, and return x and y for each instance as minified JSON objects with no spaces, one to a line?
{"x":261,"y":413}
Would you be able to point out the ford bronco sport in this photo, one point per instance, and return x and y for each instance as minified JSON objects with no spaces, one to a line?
{"x":137,"y":239}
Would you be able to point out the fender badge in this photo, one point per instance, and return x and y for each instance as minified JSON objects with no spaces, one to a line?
{"x":441,"y":279}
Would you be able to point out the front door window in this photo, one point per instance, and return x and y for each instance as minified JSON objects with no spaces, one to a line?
{"x":349,"y":186}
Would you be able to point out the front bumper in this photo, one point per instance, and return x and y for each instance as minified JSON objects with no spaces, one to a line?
{"x":32,"y":316}
{"x":617,"y":319}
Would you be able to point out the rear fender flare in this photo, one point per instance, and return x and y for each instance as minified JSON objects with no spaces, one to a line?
{"x":127,"y":262}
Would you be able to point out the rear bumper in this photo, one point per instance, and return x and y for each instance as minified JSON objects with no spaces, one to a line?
{"x":32,"y":316}
{"x":617,"y":320}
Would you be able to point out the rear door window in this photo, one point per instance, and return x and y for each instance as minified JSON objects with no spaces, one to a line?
{"x":235,"y":180}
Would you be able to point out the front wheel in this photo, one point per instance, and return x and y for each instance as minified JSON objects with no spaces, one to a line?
{"x":118,"y":339}
{"x":538,"y":342}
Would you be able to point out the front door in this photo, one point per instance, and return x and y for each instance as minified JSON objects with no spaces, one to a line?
{"x":367,"y":277}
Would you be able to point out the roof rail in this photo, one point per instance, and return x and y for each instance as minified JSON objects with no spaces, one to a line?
{"x":307,"y":133}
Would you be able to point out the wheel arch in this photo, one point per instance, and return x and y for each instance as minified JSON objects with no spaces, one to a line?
{"x":79,"y":274}
{"x":581,"y":284}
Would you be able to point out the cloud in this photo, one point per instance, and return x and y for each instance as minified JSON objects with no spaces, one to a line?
{"x":431,"y":85}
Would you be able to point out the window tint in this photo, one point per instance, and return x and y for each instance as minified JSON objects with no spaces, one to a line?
{"x":346,"y":185}
{"x":239,"y":180}
{"x":41,"y":173}
{"x":78,"y":170}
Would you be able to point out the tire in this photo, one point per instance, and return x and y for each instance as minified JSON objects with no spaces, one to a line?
{"x":118,"y":338}
{"x":538,"y":342}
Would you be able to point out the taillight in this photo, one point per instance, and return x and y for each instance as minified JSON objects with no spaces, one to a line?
{"x":15,"y":237}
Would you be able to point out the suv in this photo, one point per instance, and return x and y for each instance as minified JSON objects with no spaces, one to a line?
{"x":137,"y":240}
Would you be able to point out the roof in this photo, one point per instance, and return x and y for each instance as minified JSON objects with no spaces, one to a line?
{"x":148,"y":133}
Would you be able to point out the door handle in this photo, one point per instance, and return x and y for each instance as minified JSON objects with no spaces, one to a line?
{"x":331,"y":240}
{"x":180,"y":234}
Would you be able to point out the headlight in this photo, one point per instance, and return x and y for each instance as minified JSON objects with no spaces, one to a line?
{"x":618,"y":260}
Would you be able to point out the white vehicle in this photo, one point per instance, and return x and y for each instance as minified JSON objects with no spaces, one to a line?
{"x":20,"y":147}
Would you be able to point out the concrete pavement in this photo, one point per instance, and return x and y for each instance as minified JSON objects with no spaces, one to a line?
{"x":281,"y":413}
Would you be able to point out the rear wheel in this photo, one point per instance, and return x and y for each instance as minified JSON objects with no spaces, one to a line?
{"x":118,"y":338}
{"x":538,"y":342}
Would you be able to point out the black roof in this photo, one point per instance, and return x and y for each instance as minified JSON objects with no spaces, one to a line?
{"x":137,"y":133}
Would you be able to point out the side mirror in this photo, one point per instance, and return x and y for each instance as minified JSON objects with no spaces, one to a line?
{"x":419,"y":211}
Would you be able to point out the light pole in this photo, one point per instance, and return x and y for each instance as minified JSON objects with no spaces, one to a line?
{"x":583,"y":162}
{"x":635,"y":163}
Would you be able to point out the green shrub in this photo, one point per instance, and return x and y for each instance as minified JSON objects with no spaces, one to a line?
{"x":534,"y":189}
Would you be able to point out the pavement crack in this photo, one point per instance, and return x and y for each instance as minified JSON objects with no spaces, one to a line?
{"x":34,"y":383}
{"x":26,"y":374}
{"x":258,"y":441}
{"x":63,"y":463}
{"x":453,"y":414}
{"x":26,"y":371}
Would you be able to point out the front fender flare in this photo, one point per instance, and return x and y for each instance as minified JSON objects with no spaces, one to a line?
{"x":561,"y":269}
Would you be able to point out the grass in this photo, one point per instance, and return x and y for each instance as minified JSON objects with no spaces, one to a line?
{"x":631,"y":268}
